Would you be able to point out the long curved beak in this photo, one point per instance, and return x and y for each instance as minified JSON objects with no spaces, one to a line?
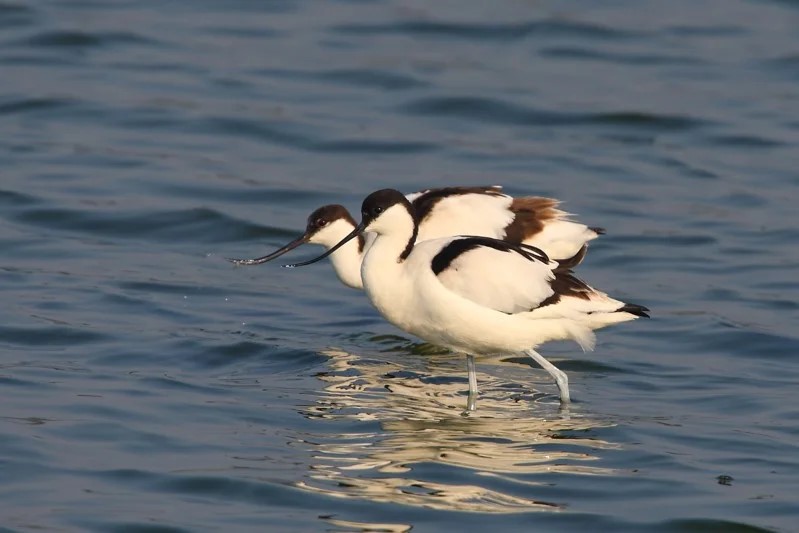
{"x":358,"y":229}
{"x":299,"y":241}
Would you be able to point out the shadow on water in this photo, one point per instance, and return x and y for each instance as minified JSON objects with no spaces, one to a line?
{"x":407,"y":438}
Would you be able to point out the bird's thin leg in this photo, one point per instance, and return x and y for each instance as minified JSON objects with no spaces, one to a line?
{"x":471,"y":402}
{"x":560,"y":377}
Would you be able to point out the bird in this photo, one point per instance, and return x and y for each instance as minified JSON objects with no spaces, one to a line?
{"x":475,"y":294}
{"x":445,"y":212}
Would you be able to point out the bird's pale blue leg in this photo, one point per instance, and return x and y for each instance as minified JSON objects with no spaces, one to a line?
{"x":560,"y":377}
{"x":471,"y":402}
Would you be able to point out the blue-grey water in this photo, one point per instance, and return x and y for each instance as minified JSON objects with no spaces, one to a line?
{"x":148,"y":385}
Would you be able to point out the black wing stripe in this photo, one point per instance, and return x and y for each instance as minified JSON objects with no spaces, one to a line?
{"x":573,"y":261}
{"x":456,"y":248}
{"x":566,"y":284}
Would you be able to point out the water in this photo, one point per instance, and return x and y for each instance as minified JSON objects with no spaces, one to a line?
{"x":148,"y":385}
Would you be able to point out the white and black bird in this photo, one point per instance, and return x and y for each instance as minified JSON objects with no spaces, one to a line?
{"x":444,"y":212}
{"x":476,"y":295}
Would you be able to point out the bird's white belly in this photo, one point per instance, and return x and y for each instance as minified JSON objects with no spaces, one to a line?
{"x":449,"y":321}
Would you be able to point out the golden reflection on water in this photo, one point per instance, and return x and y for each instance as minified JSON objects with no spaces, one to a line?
{"x":363,"y":527}
{"x":415,"y":439}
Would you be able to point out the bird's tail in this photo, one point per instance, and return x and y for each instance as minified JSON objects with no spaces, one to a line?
{"x":538,"y":222}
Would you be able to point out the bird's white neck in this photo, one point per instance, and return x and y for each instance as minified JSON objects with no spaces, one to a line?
{"x":347,"y":259}
{"x":347,"y":264}
{"x":383,"y":270}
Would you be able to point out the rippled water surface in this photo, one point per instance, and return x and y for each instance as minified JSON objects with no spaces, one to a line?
{"x":149,"y":385}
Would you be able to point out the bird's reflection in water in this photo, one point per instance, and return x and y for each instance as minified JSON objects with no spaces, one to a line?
{"x":412,"y":440}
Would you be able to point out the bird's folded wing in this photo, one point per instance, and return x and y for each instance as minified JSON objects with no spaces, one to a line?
{"x":462,"y":211}
{"x":495,"y":274}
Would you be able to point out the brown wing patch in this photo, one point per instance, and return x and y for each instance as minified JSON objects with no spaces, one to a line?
{"x":530,"y":215}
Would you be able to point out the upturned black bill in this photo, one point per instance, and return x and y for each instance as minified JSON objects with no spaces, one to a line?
{"x":358,"y":229}
{"x":277,"y":253}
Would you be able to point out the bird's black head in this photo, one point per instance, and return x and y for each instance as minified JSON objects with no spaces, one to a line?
{"x":318,"y":220}
{"x":379,"y":202}
{"x":401,"y":218}
{"x":326,"y":215}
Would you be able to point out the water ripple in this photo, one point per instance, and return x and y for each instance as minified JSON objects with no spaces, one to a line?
{"x":745,"y":141}
{"x":282,"y":135}
{"x":11,"y":199}
{"x":371,"y":146}
{"x":14,"y":15}
{"x":638,"y":59}
{"x":51,"y":337}
{"x":495,"y":32}
{"x":421,"y":429}
{"x":497,"y":111}
{"x":78,"y":39}
{"x":361,"y":77}
{"x":156,"y":225}
{"x":27,"y":105}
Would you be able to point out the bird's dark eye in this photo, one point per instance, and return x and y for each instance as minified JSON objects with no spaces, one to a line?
{"x":320,"y":223}
{"x":377,"y":210}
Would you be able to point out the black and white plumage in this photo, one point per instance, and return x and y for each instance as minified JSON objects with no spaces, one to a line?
{"x":445,"y":212}
{"x":476,"y":295}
